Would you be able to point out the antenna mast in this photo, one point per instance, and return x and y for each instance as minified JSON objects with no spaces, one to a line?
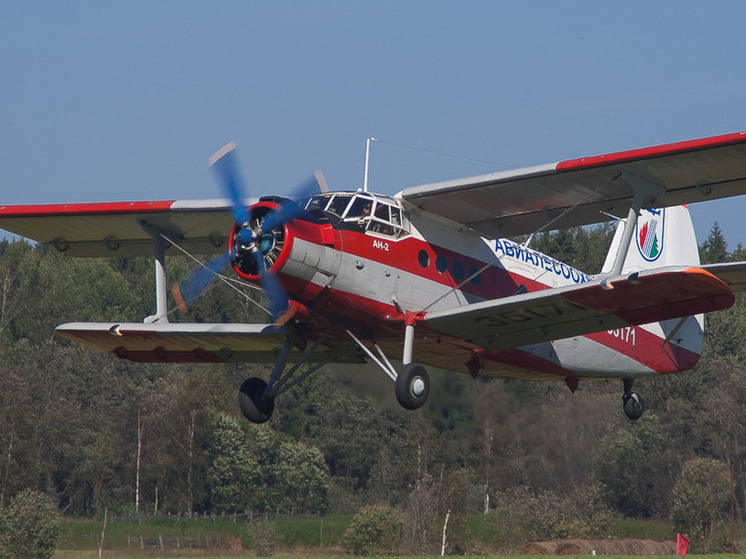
{"x":367,"y":161}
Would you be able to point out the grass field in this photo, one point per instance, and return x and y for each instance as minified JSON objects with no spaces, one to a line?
{"x":92,"y":555}
{"x":299,"y":536}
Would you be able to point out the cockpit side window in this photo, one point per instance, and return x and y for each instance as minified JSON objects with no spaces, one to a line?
{"x":387,"y":220}
{"x":317,"y":202}
{"x":360,"y":208}
{"x":396,"y":216}
{"x":382,"y":211}
{"x":360,"y":211}
{"x":338,"y":204}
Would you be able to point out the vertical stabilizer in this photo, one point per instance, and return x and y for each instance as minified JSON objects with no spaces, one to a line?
{"x":663,"y":237}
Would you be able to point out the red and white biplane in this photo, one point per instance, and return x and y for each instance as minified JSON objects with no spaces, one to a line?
{"x":429,"y":276}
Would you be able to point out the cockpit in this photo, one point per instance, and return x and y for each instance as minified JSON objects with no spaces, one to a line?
{"x":361,"y":211}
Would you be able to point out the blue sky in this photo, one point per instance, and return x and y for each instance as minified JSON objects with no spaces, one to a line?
{"x":107,"y":100}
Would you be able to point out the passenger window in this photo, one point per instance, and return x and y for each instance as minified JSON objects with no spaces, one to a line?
{"x":457,"y":270}
{"x":423,"y":258}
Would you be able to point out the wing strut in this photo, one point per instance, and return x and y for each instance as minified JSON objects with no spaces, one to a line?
{"x":644,"y":190}
{"x":161,"y":291}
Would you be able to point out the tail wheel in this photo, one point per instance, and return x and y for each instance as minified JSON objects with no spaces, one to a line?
{"x":255,"y":407}
{"x":412,"y":386}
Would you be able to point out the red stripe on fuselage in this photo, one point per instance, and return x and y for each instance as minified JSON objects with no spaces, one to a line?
{"x":403,"y":254}
{"x":647,"y":348}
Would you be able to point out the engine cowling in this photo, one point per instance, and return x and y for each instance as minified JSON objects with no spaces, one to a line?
{"x":274,"y":245}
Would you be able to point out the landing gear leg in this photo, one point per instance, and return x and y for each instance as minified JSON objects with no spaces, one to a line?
{"x":631,"y":401}
{"x":257,"y":398}
{"x":412,"y":383}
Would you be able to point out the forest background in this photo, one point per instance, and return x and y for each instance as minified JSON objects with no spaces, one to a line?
{"x":98,"y":433}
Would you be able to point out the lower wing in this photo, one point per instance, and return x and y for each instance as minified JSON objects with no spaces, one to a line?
{"x":191,"y":343}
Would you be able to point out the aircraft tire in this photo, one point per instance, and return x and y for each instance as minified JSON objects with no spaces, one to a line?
{"x":412,"y":386}
{"x":255,"y":408}
{"x":633,"y":405}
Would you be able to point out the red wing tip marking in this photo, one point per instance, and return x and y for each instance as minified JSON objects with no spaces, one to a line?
{"x":654,"y":151}
{"x":709,"y":276}
{"x":227,"y":148}
{"x":84,"y":208}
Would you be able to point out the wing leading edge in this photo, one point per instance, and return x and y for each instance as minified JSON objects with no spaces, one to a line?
{"x":554,"y":314}
{"x":588,"y":190}
{"x":112,"y":229}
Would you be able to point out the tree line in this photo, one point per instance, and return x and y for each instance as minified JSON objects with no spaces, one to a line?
{"x":98,"y":433}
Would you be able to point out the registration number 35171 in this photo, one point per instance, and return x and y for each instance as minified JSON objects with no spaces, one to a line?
{"x":626,"y":334}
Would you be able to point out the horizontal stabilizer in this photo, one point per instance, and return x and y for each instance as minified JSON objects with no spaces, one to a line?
{"x":733,"y":274}
{"x":554,"y":314}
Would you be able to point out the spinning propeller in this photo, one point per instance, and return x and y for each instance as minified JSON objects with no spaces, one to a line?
{"x":257,"y":237}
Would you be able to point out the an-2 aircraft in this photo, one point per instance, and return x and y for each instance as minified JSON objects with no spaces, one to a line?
{"x":429,"y":276}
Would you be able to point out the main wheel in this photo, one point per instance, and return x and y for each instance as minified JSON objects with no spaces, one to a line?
{"x":412,"y":386}
{"x":250,"y":399}
{"x":633,"y":405}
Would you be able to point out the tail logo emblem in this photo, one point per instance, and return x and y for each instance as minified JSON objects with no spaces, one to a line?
{"x":650,"y":234}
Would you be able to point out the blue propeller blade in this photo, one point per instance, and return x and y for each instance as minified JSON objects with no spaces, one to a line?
{"x":225,"y":164}
{"x":278,"y":297}
{"x":291,"y":210}
{"x":188,"y":290}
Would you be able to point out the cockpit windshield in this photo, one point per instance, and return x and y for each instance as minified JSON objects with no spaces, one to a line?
{"x":363,"y":211}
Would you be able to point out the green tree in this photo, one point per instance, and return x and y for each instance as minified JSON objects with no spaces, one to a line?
{"x":714,"y":249}
{"x":700,"y":493}
{"x":582,"y":247}
{"x":375,"y":530}
{"x":302,"y":474}
{"x":629,"y":463}
{"x":253,"y":467}
{"x":29,"y":527}
{"x":233,"y":471}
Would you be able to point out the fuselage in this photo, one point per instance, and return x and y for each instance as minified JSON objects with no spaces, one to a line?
{"x":361,"y":261}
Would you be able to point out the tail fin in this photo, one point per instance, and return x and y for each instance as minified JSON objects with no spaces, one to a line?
{"x":664,"y":237}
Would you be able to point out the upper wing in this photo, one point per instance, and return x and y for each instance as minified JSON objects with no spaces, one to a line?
{"x":583,"y":191}
{"x":191,"y":342}
{"x":554,"y":314}
{"x":123,"y":228}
